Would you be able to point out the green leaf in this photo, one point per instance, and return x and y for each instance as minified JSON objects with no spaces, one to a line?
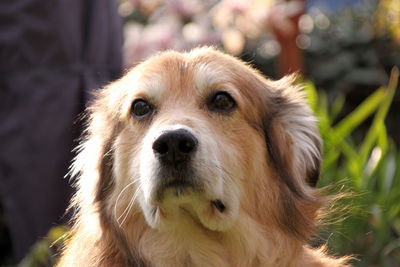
{"x":337,"y":106}
{"x":379,"y":119}
{"x":354,"y":119}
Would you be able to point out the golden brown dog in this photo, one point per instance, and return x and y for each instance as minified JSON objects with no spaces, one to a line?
{"x":195,"y":159}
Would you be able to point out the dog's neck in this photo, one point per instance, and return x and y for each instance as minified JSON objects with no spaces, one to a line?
{"x":245,"y":244}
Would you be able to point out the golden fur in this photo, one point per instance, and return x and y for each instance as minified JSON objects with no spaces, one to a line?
{"x":262,"y":160}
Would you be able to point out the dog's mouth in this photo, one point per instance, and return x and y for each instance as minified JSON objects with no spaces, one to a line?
{"x":177,"y":187}
{"x":183,"y":187}
{"x":181,"y":197}
{"x":179,"y":201}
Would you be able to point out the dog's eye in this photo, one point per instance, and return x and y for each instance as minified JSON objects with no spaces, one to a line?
{"x":221,"y":101}
{"x":141,"y":109}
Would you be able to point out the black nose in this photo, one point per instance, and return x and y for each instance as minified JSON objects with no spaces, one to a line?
{"x":174,"y":147}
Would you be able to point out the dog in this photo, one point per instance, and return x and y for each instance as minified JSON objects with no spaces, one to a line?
{"x":196,"y":159}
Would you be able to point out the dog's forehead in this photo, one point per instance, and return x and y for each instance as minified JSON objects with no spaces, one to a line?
{"x":150,"y":84}
{"x":181,"y":76}
{"x":209,"y":74}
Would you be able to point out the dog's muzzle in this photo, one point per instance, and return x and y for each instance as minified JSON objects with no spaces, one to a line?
{"x":175,"y":151}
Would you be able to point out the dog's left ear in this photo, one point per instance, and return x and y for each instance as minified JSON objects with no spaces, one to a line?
{"x":294,"y":152}
{"x":292,"y":136}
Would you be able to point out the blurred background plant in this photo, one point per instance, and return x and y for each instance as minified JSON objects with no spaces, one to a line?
{"x":344,"y":48}
{"x":45,"y":252}
{"x":367,"y":173}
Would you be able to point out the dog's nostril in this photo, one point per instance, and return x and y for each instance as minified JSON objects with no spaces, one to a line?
{"x":161,"y":147}
{"x":186,"y":146}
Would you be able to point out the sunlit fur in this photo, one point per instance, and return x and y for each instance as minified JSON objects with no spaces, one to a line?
{"x":262,"y":160}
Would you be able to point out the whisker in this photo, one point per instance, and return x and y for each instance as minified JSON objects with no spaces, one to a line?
{"x":119,"y":196}
{"x":128,"y":208}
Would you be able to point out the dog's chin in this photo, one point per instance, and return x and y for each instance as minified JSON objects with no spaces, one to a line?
{"x":185,"y":206}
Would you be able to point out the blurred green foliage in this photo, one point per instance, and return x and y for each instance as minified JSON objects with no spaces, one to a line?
{"x":45,"y":252}
{"x":370,"y":224}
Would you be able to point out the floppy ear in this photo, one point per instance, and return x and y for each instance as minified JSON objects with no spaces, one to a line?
{"x":92,"y":167}
{"x":93,"y":171}
{"x":292,"y":134}
{"x":294,"y":150}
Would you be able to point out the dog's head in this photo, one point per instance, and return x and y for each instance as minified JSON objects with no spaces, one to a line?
{"x":201,"y":137}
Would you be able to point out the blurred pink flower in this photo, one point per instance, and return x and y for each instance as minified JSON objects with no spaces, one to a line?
{"x":141,"y":42}
{"x":168,"y":28}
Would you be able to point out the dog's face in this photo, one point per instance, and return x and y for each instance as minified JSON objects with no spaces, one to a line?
{"x":198,"y":138}
{"x":192,"y":147}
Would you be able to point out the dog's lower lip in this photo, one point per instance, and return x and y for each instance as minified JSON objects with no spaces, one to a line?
{"x":219,"y":205}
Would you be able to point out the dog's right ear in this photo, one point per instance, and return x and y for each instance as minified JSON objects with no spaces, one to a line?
{"x":92,"y":171}
{"x":92,"y":167}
